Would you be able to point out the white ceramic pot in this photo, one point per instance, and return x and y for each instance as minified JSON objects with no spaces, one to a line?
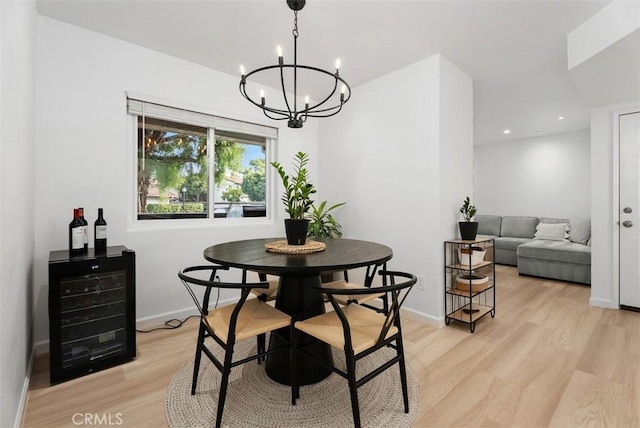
{"x":477,"y":256}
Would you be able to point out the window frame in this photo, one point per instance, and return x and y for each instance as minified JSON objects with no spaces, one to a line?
{"x":172,"y":221}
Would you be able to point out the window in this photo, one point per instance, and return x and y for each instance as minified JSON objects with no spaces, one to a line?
{"x":194,"y":165}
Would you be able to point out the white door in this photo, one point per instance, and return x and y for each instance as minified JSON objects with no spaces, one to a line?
{"x":629,"y":214}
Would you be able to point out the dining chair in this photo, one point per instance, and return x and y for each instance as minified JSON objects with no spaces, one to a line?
{"x":359,"y":332}
{"x":266,"y":295}
{"x":229,"y":324}
{"x":361,"y":299}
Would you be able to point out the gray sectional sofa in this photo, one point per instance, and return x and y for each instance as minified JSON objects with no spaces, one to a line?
{"x":518,"y":243}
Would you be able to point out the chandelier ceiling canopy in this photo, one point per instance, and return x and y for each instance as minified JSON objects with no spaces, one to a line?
{"x":338,"y":90}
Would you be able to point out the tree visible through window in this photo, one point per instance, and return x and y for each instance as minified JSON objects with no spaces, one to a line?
{"x":174,"y":179}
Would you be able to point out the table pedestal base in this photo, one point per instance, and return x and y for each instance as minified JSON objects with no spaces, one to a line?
{"x":298,"y":298}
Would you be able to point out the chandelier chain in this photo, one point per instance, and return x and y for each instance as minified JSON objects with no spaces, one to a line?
{"x":295,"y":24}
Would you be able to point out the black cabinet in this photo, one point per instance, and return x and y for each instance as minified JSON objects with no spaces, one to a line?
{"x":91,"y":311}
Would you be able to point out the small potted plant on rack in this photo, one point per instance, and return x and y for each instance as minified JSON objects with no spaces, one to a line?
{"x":296,"y":198}
{"x":468,"y":228}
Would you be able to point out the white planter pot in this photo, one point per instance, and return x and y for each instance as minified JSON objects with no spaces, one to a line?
{"x":477,"y":256}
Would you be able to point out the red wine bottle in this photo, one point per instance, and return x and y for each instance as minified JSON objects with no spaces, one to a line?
{"x":100,"y":233}
{"x":85,"y":245}
{"x":76,"y":234}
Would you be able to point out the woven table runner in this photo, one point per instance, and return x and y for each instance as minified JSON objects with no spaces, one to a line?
{"x":283,"y":248}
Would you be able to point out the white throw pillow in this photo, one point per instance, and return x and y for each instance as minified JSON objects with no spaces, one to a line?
{"x":552,"y":232}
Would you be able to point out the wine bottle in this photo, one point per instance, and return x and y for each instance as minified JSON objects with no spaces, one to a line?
{"x":76,"y":234}
{"x":85,"y":244}
{"x":100,"y":233}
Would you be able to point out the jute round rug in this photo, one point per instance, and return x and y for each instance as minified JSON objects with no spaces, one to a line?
{"x":254,"y":400}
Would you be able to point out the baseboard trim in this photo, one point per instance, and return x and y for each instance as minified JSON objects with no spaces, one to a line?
{"x":421,"y":316}
{"x":153,"y":321}
{"x":22,"y":403}
{"x":602,"y":303}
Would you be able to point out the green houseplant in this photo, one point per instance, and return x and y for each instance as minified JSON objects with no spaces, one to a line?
{"x":323,"y":224}
{"x":296,"y":198}
{"x":468,"y":228}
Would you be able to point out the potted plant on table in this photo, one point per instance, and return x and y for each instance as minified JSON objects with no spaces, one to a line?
{"x":468,"y":228}
{"x":296,"y":198}
{"x":323,"y":224}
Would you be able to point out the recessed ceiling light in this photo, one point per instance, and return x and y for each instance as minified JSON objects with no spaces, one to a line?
{"x":560,"y":117}
{"x":538,"y":132}
{"x":506,"y":131}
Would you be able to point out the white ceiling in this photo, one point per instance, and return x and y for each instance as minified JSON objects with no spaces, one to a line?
{"x":515,"y":51}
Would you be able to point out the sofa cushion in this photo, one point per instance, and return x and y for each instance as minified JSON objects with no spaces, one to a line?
{"x":580,"y":230}
{"x":488,"y":224}
{"x":553,"y":220}
{"x":518,"y":227}
{"x":510,"y":244}
{"x":568,"y":252}
{"x":552,"y":232}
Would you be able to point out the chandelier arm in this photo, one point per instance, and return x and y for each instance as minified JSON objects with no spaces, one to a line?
{"x":275,"y":118}
{"x":243,"y":92}
{"x":326,"y":99}
{"x":313,"y":110}
{"x":284,"y":92}
{"x":284,"y":113}
{"x":327,"y":115}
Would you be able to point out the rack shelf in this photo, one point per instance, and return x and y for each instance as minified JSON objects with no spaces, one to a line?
{"x":469,"y":282}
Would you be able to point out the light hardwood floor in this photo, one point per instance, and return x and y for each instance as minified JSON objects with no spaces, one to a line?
{"x":546,"y":359}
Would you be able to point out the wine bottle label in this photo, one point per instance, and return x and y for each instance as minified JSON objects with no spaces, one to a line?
{"x":85,"y":239}
{"x":77,"y":238}
{"x":101,"y":232}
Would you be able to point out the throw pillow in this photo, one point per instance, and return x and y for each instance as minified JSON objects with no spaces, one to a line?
{"x":580,"y":230}
{"x":552,"y":232}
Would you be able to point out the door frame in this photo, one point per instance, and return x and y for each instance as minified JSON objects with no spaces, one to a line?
{"x":615,"y":232}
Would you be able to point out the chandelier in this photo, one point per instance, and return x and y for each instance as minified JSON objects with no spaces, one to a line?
{"x":330,"y":105}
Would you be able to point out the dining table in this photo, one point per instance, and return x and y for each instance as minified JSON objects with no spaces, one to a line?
{"x":299,"y":276}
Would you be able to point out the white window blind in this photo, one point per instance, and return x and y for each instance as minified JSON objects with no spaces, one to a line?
{"x":145,"y":108}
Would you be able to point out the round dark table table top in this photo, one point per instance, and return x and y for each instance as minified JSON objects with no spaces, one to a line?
{"x":340,"y":254}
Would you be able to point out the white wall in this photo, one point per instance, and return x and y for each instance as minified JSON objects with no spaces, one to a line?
{"x":85,"y":152}
{"x":382,"y":156}
{"x":17,"y":147}
{"x":547,"y":176}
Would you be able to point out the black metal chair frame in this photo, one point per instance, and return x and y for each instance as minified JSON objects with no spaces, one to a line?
{"x":392,"y":319}
{"x":368,"y":282}
{"x":262,"y":338}
{"x":205,"y":330}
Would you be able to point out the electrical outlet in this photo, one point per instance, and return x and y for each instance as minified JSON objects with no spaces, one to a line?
{"x":420,"y":283}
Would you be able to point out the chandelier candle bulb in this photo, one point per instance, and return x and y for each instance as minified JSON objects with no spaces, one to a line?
{"x":306,"y":102}
{"x":337,"y":65}
{"x":242,"y":73}
{"x":280,"y":58}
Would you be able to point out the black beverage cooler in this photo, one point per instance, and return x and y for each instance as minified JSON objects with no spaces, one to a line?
{"x":92,"y":311}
